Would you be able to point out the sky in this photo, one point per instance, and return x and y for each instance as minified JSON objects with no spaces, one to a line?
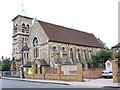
{"x":99,"y":17}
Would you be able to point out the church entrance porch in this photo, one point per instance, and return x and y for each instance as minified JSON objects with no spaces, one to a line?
{"x":34,"y":68}
{"x":15,"y":70}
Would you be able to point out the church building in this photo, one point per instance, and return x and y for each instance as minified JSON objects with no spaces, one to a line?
{"x":46,"y":44}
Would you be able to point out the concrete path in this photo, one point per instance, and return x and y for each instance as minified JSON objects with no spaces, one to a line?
{"x":89,"y":83}
{"x":98,"y":83}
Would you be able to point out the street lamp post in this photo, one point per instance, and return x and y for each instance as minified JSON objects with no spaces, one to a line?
{"x":22,"y":69}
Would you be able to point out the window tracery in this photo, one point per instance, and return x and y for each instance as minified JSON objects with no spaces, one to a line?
{"x":35,"y":46}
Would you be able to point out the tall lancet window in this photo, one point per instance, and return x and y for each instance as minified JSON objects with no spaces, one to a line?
{"x":27,"y":28}
{"x":23,"y":28}
{"x":78,"y":55}
{"x":15,"y":28}
{"x":71,"y":54}
{"x":90,"y":52}
{"x":85,"y":55}
{"x":36,"y":49}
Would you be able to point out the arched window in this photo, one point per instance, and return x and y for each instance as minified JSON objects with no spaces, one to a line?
{"x":63,"y":48}
{"x":90,"y":53}
{"x":54,"y":48}
{"x":71,"y":54}
{"x":15,"y":28}
{"x":27,"y":26}
{"x":23,"y":25}
{"x":85,"y":55}
{"x":78,"y":54}
{"x":70,"y":49}
{"x":27,"y":55}
{"x":36,"y":49}
{"x":23,"y":28}
{"x":23,"y":39}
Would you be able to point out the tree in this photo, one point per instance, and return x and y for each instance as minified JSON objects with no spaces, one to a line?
{"x":95,"y":59}
{"x":6,"y":64}
{"x":101,"y":57}
{"x":118,"y":55}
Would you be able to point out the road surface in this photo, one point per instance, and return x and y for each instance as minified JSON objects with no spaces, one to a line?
{"x":24,"y":84}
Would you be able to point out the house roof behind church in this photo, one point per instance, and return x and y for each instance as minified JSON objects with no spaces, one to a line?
{"x":116,"y":46}
{"x":66,"y":35}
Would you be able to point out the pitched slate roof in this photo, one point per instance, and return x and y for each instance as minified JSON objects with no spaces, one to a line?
{"x":67,"y":35}
{"x":25,"y":48}
{"x":43,"y":62}
{"x":28,"y":64}
{"x":116,"y":46}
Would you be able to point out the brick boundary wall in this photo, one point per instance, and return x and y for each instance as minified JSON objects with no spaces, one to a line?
{"x":92,"y":73}
{"x":58,"y":74}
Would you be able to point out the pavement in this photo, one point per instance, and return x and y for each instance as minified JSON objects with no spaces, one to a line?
{"x":88,"y":83}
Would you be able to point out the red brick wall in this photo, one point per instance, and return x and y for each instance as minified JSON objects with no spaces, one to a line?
{"x":69,"y":77}
{"x":119,"y":77}
{"x":50,"y":70}
{"x":92,"y":73}
{"x":29,"y":76}
{"x":51,"y":77}
{"x":36,"y":76}
{"x":56,"y":74}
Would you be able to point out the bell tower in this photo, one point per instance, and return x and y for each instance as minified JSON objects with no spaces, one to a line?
{"x":21,"y":28}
